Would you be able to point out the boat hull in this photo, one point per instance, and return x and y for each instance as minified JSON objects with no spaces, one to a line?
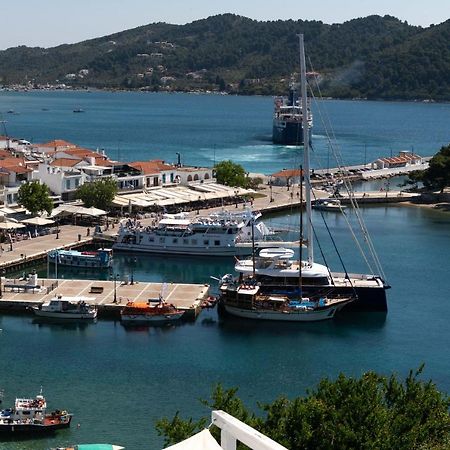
{"x":140,"y":319}
{"x":287,"y":133}
{"x":64,"y":315}
{"x":284,"y":316}
{"x":190,"y":251}
{"x":30,"y":428}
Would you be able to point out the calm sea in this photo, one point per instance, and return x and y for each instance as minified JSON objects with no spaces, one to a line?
{"x":118,"y":382}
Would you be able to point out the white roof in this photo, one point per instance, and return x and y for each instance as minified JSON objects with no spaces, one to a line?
{"x":179,"y":222}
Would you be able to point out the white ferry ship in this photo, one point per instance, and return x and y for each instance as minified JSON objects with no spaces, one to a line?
{"x":218,"y":234}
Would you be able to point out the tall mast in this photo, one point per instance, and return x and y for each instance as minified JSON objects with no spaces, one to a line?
{"x":306,"y":164}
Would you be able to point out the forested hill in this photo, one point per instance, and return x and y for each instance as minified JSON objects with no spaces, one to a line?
{"x":371,"y":57}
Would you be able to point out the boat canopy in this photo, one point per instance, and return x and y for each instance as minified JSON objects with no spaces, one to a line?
{"x":200,"y":441}
{"x":280,"y":253}
{"x":174,"y":222}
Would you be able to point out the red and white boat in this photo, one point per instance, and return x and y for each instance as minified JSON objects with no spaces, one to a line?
{"x":152,"y":312}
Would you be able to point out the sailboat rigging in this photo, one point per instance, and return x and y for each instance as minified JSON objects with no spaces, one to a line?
{"x":275,"y":286}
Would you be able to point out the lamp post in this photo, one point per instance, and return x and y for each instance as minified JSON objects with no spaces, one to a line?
{"x":115,"y":288}
{"x":1,"y":279}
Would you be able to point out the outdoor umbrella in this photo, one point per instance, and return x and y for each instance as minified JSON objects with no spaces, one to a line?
{"x":11,"y":225}
{"x":38,"y":221}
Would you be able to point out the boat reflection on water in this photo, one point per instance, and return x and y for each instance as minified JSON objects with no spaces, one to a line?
{"x":152,"y":329}
{"x":64,"y":324}
{"x":341,"y":325}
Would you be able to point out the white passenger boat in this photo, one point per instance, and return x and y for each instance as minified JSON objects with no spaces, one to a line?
{"x":218,"y":234}
{"x":66,"y":308}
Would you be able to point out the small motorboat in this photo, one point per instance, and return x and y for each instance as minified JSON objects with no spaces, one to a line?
{"x":66,"y":308}
{"x":328,"y":204}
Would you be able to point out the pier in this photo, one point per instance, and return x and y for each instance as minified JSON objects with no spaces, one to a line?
{"x":109,"y":296}
{"x":20,"y":254}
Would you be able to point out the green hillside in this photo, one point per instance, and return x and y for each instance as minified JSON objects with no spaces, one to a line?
{"x":373,"y":57}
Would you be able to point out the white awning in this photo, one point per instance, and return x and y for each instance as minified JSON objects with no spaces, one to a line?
{"x":11,"y":225}
{"x":38,"y":221}
{"x":200,"y":441}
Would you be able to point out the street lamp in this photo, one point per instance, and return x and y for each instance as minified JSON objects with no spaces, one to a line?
{"x":1,"y":277}
{"x":115,"y":288}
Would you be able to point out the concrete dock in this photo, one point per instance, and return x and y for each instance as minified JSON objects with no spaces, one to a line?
{"x":109,"y":296}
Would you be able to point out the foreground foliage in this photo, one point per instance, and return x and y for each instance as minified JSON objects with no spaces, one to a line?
{"x":99,"y":193}
{"x":437,"y":176}
{"x":35,"y":197}
{"x":370,"y":412}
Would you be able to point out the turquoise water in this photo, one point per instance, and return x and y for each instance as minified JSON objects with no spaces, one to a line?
{"x":118,"y":382}
{"x":208,"y":128}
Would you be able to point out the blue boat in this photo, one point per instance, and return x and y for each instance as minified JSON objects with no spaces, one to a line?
{"x":100,"y":259}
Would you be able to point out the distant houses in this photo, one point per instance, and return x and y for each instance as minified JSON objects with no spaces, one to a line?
{"x":64,"y":166}
{"x":404,"y":158}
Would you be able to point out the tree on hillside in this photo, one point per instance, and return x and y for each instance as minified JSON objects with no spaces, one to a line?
{"x":35,"y":197}
{"x":437,"y":176}
{"x":99,"y":194}
{"x":372,"y":412}
{"x":230,"y":174}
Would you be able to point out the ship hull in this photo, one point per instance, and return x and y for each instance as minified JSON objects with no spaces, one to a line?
{"x":30,"y":429}
{"x":368,"y":298}
{"x":287,"y":133}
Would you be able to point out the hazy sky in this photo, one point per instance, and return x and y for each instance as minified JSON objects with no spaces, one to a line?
{"x":47,"y":23}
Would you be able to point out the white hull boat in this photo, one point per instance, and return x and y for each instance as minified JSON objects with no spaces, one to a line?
{"x":74,"y":308}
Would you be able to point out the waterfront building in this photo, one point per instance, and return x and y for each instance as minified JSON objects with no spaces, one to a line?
{"x":404,"y":159}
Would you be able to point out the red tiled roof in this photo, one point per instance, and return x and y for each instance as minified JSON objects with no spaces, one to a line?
{"x":14,"y":165}
{"x":151,"y":167}
{"x":83,"y":153}
{"x":287,"y":173}
{"x":57,"y":143}
{"x":65,"y":162}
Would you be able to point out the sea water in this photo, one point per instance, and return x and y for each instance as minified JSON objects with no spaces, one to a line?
{"x":117,"y":381}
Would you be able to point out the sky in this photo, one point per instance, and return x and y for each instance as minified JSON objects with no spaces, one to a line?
{"x":47,"y":23}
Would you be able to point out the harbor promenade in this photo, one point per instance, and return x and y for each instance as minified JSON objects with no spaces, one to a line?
{"x":17,"y":254}
{"x":109,"y":296}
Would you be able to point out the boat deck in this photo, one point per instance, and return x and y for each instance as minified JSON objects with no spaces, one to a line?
{"x":109,"y":299}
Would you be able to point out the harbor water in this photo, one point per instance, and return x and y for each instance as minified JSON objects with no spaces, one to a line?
{"x":118,"y":381}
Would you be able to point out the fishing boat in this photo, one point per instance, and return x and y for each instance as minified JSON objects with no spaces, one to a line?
{"x":277,"y":272}
{"x":328,"y":204}
{"x":29,"y":416}
{"x":218,"y":234}
{"x":288,"y":115}
{"x":100,"y":259}
{"x":153,"y":312}
{"x":66,"y":308}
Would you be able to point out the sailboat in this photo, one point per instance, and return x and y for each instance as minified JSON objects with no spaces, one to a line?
{"x":250,"y":303}
{"x":277,"y":272}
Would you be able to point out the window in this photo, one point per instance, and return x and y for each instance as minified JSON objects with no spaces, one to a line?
{"x":216,"y":242}
{"x":189,"y":178}
{"x":206,"y":176}
{"x":77,"y":182}
{"x":162,"y":240}
{"x":175,"y":240}
{"x":196,"y":177}
{"x":185,"y":241}
{"x":67,"y":184}
{"x":206,"y":242}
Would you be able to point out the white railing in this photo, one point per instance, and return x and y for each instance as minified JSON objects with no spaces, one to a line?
{"x":233,"y":430}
